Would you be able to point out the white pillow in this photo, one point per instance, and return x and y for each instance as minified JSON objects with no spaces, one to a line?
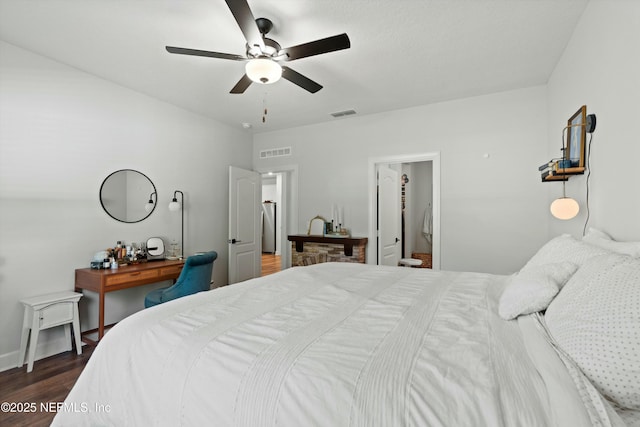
{"x":603,"y":240}
{"x":595,"y":320}
{"x":565,"y":248}
{"x":533,"y":289}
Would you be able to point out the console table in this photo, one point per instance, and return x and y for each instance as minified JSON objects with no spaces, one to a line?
{"x":110,"y":280}
{"x":309,"y":249}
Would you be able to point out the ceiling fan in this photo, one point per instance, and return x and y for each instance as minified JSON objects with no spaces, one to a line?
{"x":264,"y":55}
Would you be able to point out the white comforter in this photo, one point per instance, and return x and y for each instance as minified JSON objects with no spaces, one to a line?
{"x":325,"y":345}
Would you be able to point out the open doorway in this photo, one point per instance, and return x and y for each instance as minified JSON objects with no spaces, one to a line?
{"x":405,"y":209}
{"x":280,"y":187}
{"x":416,"y":212}
{"x":271,"y":223}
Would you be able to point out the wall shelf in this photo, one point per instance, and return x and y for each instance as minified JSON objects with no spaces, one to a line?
{"x":561,"y":174}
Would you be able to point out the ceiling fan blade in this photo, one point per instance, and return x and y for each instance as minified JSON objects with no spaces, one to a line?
{"x":329,"y":44}
{"x":196,"y":52}
{"x":247,"y":23}
{"x":300,"y":80}
{"x":242,"y":85}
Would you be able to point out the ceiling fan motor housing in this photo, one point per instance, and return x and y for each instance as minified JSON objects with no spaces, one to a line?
{"x":271,"y":49}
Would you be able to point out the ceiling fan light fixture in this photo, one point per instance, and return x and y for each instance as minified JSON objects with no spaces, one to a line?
{"x":263,"y":70}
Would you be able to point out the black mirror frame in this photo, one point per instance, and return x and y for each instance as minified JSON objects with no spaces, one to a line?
{"x":118,"y":219}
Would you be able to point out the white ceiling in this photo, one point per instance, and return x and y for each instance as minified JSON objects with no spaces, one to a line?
{"x":403,"y":52}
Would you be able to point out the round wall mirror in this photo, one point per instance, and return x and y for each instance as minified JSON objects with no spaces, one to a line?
{"x":128,"y":195}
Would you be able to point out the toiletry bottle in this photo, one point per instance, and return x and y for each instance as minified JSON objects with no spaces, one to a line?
{"x":118,"y":251}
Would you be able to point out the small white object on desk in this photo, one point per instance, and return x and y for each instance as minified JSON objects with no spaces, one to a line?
{"x":44,"y":312}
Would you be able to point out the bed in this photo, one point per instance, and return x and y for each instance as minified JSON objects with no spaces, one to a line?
{"x":340,"y":344}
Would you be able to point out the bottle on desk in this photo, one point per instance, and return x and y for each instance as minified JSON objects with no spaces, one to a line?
{"x":117,"y":253}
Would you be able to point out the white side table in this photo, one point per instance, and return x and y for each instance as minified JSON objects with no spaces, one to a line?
{"x":47,"y":311}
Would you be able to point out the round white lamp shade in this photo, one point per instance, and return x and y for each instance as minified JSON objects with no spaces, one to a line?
{"x":564,"y":208}
{"x":149,"y":206}
{"x":174,"y":205}
{"x":262,"y":70}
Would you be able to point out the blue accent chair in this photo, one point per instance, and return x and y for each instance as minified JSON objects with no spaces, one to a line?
{"x":195,"y":277}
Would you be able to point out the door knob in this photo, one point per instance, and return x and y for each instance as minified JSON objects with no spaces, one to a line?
{"x":234,"y":241}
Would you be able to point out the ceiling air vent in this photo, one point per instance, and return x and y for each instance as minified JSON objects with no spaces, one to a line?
{"x":343,"y":113}
{"x":275,"y":152}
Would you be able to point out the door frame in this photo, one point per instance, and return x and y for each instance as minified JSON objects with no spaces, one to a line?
{"x":433,"y":157}
{"x":289,"y":209}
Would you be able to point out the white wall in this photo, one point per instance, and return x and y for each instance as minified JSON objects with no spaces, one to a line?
{"x":62,"y":132}
{"x":601,"y":69}
{"x":494,"y":211}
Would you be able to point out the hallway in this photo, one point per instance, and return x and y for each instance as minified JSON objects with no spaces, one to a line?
{"x":270,"y":264}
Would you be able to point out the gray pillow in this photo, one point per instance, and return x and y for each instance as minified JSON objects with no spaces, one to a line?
{"x":595,"y":320}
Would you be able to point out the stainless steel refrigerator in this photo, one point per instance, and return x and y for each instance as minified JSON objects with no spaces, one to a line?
{"x":269,"y":227}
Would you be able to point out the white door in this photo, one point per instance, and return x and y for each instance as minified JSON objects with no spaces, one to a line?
{"x":388,"y":216}
{"x":244,"y":225}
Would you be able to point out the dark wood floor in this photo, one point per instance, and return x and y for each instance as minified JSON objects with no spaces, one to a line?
{"x":41,"y":389}
{"x":270,"y":264}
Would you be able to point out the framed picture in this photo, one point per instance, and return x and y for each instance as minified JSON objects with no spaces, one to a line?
{"x":576,"y":136}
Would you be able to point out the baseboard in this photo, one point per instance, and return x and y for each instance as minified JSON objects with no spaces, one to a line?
{"x":44,"y":349}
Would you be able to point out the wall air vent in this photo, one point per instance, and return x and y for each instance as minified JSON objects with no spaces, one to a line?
{"x":343,"y":113}
{"x":275,"y":152}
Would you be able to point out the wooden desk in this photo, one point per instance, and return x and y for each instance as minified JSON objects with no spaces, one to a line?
{"x":103,"y":281}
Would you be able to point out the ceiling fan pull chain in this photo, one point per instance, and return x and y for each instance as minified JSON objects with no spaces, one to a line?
{"x":264,"y":106}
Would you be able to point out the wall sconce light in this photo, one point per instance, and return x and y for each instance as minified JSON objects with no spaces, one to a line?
{"x":151,"y":204}
{"x":174,"y":206}
{"x":564,"y":207}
